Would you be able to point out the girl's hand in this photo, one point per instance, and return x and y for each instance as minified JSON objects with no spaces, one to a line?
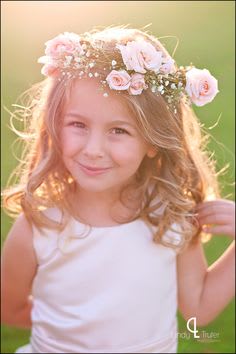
{"x":217,"y":217}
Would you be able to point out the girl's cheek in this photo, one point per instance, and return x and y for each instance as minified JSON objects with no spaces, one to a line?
{"x":126,"y":153}
{"x":70,"y":143}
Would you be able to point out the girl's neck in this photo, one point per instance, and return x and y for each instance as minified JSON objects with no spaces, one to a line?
{"x":102,"y":200}
{"x":98,"y":208}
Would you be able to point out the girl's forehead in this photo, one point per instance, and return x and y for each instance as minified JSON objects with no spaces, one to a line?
{"x":87,"y":98}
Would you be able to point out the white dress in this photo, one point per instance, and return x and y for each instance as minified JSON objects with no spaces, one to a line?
{"x":110,"y":291}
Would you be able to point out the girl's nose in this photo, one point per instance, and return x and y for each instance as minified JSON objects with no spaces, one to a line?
{"x":94,"y":146}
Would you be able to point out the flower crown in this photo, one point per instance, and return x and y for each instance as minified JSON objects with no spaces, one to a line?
{"x":134,"y":67}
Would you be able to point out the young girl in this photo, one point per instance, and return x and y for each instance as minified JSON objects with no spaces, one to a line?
{"x":113,"y":195}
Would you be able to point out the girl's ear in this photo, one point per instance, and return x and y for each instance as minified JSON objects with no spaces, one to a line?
{"x":152,"y":152}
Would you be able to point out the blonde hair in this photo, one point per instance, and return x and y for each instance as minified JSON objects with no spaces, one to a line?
{"x":182,"y":173}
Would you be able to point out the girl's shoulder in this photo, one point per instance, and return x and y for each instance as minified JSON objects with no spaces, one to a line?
{"x":21,"y":229}
{"x":18,"y":268}
{"x":20,"y":237}
{"x":18,"y":245}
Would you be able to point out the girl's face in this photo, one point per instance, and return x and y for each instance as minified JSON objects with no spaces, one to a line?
{"x":101,"y":146}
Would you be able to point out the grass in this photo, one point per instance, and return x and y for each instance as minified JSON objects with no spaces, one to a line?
{"x":206,"y":34}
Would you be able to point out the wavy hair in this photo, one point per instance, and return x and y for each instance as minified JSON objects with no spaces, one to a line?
{"x":181,"y":175}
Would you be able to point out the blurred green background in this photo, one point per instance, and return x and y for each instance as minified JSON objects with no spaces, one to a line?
{"x":206,"y":33}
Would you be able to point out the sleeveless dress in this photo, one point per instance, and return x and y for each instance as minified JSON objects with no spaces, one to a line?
{"x":110,"y":290}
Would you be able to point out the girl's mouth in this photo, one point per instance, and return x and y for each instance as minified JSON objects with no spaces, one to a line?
{"x":92,"y":171}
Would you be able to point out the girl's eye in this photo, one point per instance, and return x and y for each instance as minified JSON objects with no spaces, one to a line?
{"x":120,"y":131}
{"x":77,"y":124}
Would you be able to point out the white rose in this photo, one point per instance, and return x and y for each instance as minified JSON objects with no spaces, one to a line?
{"x":118,"y":80}
{"x":201,"y":86}
{"x":167,"y":66}
{"x":140,"y":55}
{"x":137,"y":84}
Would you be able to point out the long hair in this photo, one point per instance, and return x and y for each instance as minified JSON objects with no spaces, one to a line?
{"x":181,"y":174}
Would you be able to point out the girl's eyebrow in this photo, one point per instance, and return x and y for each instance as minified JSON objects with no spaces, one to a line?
{"x":123,"y":122}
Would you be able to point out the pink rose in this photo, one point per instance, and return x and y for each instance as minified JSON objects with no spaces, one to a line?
{"x":140,"y":55}
{"x":167,"y":66}
{"x":63,"y":43}
{"x":137,"y":84}
{"x":201,"y":86}
{"x":49,"y":70}
{"x":45,"y":60}
{"x":118,"y":80}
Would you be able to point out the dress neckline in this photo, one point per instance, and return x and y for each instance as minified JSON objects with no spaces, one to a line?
{"x":55,"y":211}
{"x":107,"y":227}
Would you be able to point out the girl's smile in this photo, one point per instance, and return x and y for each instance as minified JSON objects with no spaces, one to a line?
{"x":93,"y":171}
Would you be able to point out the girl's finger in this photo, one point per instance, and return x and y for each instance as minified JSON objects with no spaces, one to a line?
{"x":215,"y":211}
{"x":219,"y":203}
{"x":214,"y":219}
{"x":215,"y":208}
{"x":222,"y":229}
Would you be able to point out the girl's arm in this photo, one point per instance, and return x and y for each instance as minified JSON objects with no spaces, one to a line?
{"x":204,"y":292}
{"x":18,"y":269}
